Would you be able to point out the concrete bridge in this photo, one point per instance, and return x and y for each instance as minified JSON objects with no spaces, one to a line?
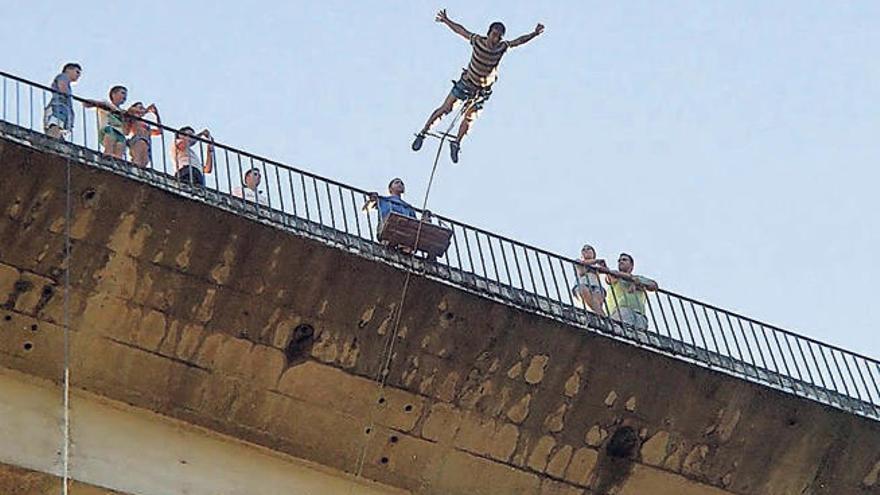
{"x":212,"y":352}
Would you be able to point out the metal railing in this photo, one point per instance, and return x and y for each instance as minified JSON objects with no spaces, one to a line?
{"x":479,"y":261}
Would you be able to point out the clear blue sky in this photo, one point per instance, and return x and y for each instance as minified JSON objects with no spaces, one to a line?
{"x":730,"y":146}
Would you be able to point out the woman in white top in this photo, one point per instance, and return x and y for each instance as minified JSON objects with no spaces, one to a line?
{"x":187,"y":162}
{"x":589,"y":287}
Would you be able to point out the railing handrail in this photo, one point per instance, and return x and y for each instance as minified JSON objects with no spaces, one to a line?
{"x":547,"y":259}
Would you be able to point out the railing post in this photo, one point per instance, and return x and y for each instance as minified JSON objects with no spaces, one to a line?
{"x":302,"y":179}
{"x":293,"y":194}
{"x":805,"y":361}
{"x":745,"y":340}
{"x":504,"y":260}
{"x":317,"y":201}
{"x":492,"y":257}
{"x":457,"y":249}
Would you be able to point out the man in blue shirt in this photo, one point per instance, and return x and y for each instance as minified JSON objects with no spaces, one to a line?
{"x":393,"y":202}
{"x":403,"y":234}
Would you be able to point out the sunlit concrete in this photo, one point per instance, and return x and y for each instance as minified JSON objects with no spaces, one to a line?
{"x":131,"y":450}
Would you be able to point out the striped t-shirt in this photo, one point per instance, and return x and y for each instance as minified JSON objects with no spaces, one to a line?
{"x":483,"y":68}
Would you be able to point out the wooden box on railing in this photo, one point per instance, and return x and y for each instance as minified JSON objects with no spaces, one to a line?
{"x":400,"y":231}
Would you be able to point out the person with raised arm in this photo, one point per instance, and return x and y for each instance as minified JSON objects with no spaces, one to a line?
{"x":140,"y":133}
{"x":187,"y":162}
{"x":475,"y":84}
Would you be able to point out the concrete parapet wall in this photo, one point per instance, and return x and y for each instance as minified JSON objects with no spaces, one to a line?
{"x":213,"y":319}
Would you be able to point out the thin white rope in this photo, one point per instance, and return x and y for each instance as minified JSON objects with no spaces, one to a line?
{"x":388,"y":349}
{"x":65,"y":446}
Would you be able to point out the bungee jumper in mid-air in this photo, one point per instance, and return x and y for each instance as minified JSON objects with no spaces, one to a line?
{"x":475,"y":85}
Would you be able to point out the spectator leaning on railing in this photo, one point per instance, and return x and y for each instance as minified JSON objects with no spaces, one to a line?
{"x":58,"y":115}
{"x":589,"y":288}
{"x":111,"y":121}
{"x":626,"y":294}
{"x":187,"y":162}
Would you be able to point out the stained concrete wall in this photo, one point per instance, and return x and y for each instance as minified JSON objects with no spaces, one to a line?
{"x":20,"y":481}
{"x":119,"y":448}
{"x":198,"y":314}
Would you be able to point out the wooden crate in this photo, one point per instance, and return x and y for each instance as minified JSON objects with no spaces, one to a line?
{"x":399,"y":230}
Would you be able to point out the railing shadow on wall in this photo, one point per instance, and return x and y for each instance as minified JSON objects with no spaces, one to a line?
{"x":479,"y":261}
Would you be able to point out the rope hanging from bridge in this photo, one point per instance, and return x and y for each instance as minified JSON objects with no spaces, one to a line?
{"x":65,"y":446}
{"x":388,"y":348}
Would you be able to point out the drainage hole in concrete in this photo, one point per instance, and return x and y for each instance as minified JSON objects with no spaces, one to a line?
{"x":300,"y":344}
{"x":23,"y":286}
{"x":624,"y":443}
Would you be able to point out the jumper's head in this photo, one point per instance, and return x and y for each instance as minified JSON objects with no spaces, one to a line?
{"x":625,"y":263}
{"x":118,"y":94}
{"x":73,"y":70}
{"x":496,"y":32}
{"x":396,"y":187}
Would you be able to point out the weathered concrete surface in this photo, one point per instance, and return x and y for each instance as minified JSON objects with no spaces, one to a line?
{"x":186,"y":310}
{"x":19,"y":481}
{"x":130,"y":450}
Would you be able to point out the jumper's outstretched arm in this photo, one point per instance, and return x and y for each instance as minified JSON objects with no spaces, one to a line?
{"x":528,"y":37}
{"x":454,"y":26}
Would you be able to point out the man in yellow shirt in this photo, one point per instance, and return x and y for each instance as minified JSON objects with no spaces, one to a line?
{"x":626,"y":294}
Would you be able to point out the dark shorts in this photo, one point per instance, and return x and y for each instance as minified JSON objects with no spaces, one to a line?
{"x":464,"y":90}
{"x":115,"y":134}
{"x":58,"y":115}
{"x":191,"y":176}
{"x":146,"y":140}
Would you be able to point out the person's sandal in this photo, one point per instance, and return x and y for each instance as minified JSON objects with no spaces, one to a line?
{"x":417,"y":142}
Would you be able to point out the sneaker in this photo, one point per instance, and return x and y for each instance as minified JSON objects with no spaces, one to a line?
{"x":417,"y":142}
{"x":454,"y":147}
